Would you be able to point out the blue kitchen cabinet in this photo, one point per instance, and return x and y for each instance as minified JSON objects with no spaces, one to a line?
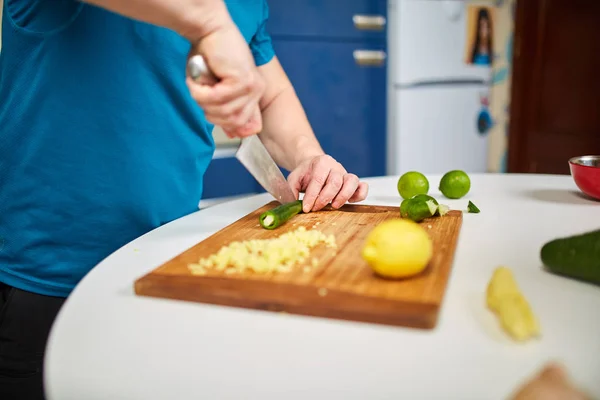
{"x":227,"y":177}
{"x":345,"y":102}
{"x":324,"y":20}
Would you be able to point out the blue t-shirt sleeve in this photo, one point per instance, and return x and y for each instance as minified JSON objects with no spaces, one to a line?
{"x":42,"y":16}
{"x":261,"y":45}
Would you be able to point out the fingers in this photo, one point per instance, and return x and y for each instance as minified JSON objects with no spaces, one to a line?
{"x":295,"y":180}
{"x":221,"y":114}
{"x":234,"y":107}
{"x":348,"y":189}
{"x":332,"y":187}
{"x":220,"y":94}
{"x":328,"y":182}
{"x":236,"y":127}
{"x":232,"y":99}
{"x":360,"y":194}
{"x":319,"y":174}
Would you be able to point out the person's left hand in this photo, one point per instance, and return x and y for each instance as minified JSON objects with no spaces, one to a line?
{"x":323,"y":180}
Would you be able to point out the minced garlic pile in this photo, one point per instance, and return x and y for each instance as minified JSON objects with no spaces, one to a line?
{"x":279,"y":254}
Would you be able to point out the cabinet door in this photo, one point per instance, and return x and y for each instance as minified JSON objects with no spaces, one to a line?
{"x":344,"y":101}
{"x":227,"y":177}
{"x":339,"y":19}
{"x":555,"y":102}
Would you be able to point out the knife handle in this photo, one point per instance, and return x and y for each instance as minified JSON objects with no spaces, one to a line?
{"x":198,"y":70}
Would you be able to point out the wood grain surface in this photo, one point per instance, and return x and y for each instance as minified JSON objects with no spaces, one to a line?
{"x":342,"y":286}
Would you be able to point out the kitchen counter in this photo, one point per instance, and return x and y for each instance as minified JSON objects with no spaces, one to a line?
{"x":108,"y":343}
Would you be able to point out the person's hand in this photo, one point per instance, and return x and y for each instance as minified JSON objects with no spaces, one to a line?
{"x":231,"y":103}
{"x":551,"y":383}
{"x":323,"y":180}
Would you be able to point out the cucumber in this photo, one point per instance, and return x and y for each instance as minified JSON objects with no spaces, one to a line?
{"x":472,"y":208}
{"x":279,"y":215}
{"x":576,"y":256}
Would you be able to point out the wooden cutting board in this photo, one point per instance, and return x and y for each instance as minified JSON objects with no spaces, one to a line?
{"x":342,"y":286}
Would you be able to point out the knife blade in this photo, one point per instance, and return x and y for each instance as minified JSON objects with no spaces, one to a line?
{"x":254,"y":156}
{"x":252,"y":153}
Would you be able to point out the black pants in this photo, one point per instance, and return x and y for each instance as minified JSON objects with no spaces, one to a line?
{"x":25,"y":322}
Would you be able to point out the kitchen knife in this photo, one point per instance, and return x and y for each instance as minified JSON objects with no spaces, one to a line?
{"x":252,"y":153}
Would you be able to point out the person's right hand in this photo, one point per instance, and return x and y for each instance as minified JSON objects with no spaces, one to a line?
{"x":231,"y":103}
{"x":551,"y":383}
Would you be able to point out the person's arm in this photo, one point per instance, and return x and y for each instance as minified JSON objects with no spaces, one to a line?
{"x":287,"y":133}
{"x":288,"y":136}
{"x":233,"y":102}
{"x":192,"y":19}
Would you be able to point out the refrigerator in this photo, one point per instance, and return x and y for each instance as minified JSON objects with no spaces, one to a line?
{"x":438,"y":97}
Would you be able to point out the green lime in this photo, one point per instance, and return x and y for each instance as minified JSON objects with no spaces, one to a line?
{"x":417,"y":209}
{"x":404,"y":208}
{"x":455,"y":184}
{"x":411,"y":184}
{"x":424,"y":197}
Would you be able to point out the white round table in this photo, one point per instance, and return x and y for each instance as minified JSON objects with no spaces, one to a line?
{"x":108,"y":343}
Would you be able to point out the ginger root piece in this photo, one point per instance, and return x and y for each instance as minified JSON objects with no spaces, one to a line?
{"x":505,"y":299}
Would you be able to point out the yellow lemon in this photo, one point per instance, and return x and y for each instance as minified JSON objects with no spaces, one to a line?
{"x":397,"y":248}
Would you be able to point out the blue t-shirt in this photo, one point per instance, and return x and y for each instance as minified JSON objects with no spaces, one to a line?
{"x":100,"y":140}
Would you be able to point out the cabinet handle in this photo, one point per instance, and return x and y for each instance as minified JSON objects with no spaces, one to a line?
{"x":369,"y":22}
{"x":369,"y":57}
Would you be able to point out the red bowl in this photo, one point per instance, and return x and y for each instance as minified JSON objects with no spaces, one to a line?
{"x":585,"y":171}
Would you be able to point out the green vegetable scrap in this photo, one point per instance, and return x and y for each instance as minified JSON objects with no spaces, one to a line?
{"x":472,"y":208}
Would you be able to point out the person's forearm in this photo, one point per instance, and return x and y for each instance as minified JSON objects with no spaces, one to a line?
{"x":192,"y":19}
{"x":286,"y":133}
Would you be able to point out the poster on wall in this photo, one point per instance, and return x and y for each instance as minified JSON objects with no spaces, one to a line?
{"x":479,"y":48}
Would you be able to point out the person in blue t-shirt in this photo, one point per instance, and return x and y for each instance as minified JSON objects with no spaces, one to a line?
{"x":102,"y":139}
